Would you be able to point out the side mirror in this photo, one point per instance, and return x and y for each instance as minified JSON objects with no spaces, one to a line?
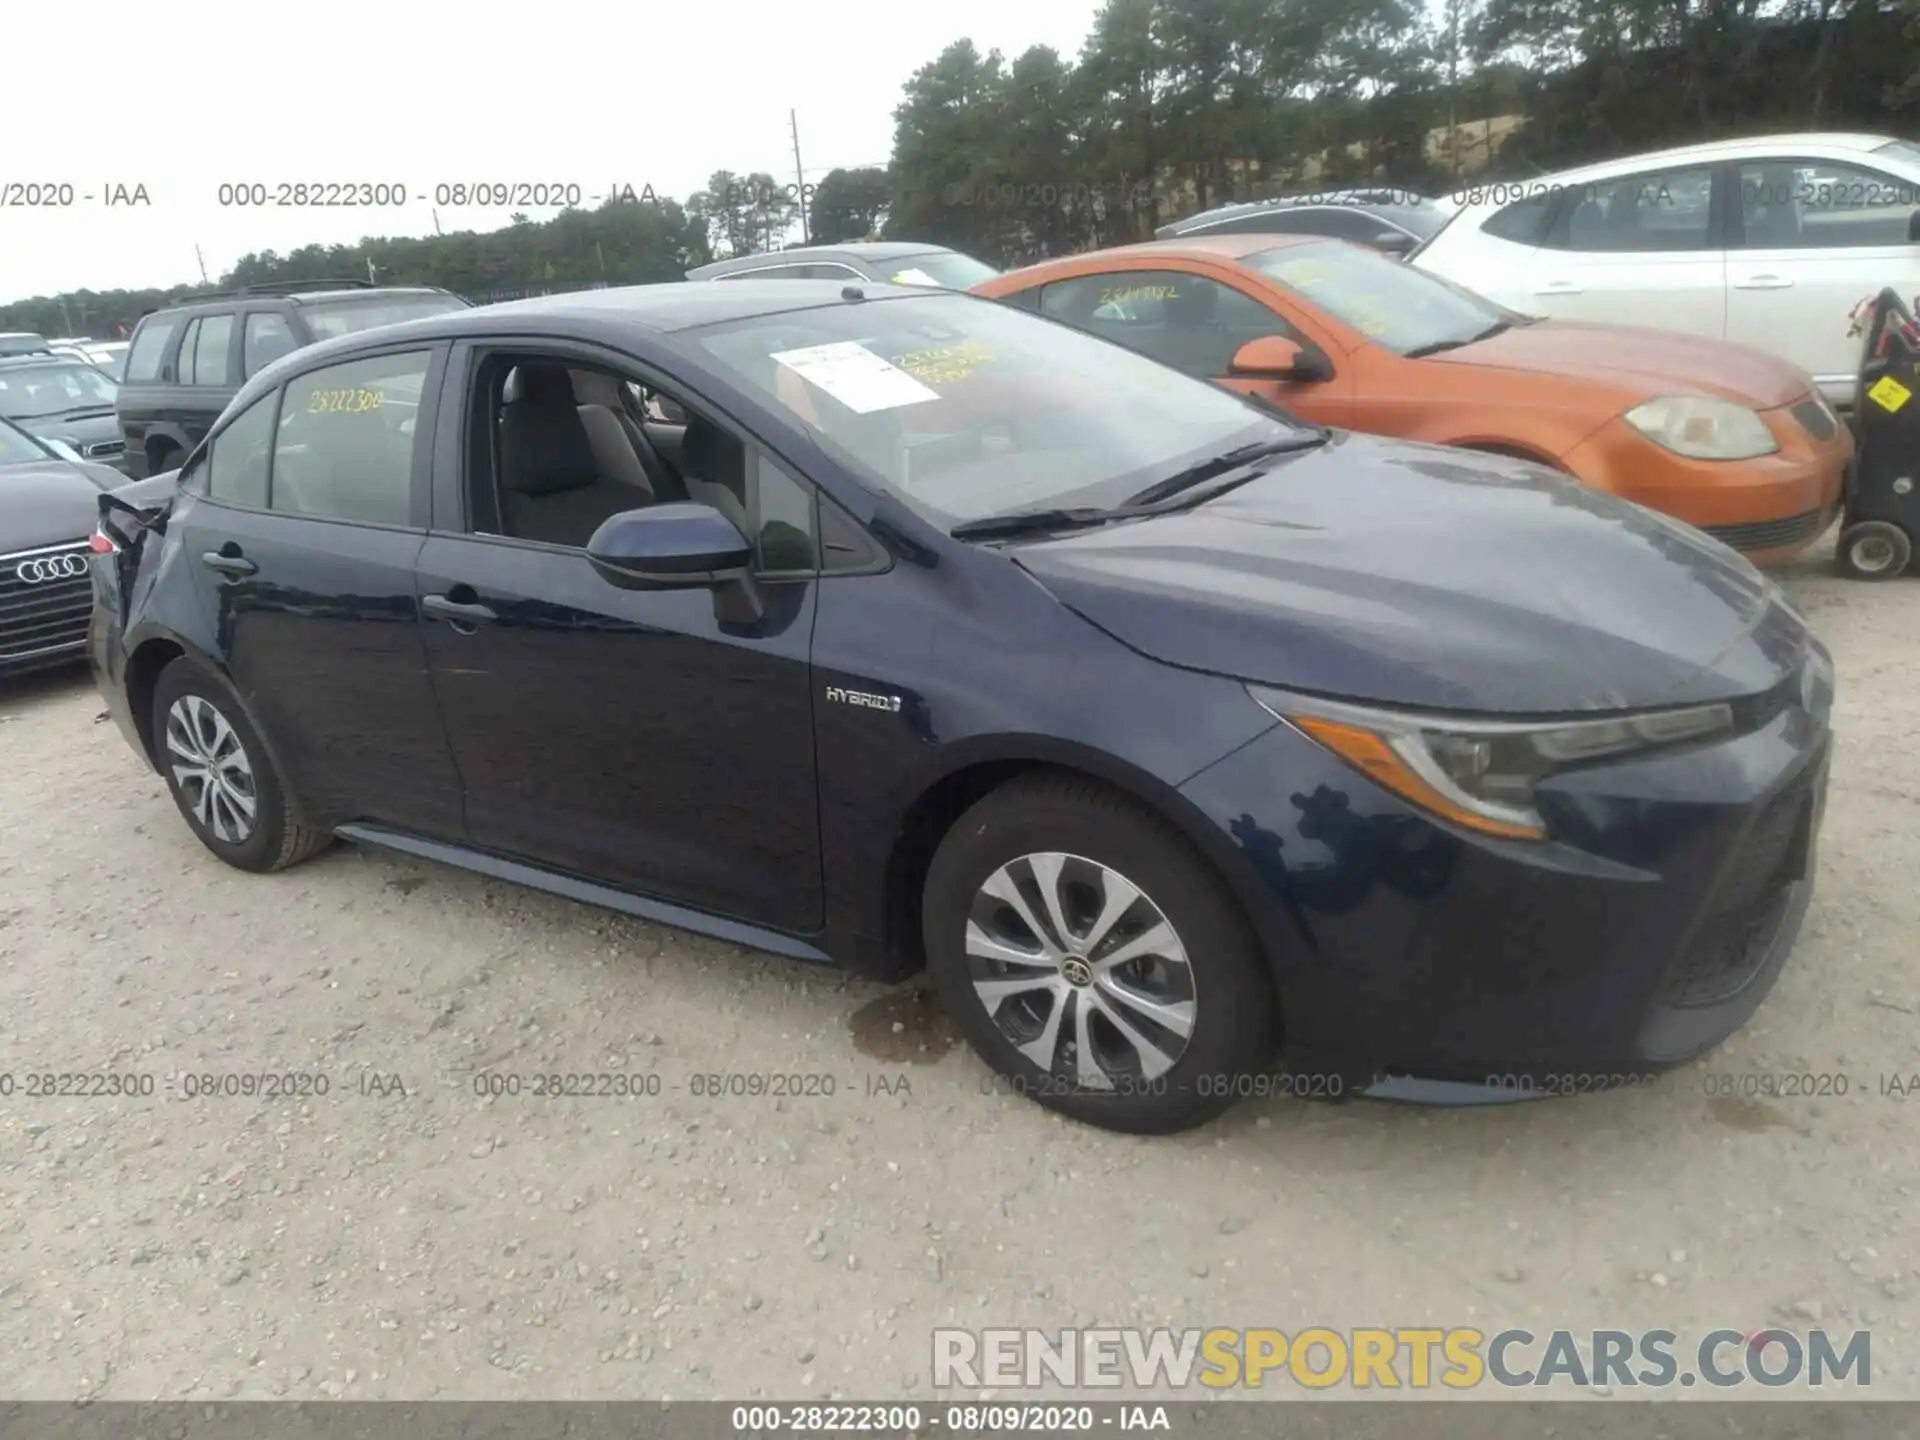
{"x":669,"y":547}
{"x":1913,"y":228}
{"x":1396,"y":243}
{"x":1272,"y":357}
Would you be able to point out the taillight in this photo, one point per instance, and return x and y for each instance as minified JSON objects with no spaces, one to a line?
{"x":101,"y":543}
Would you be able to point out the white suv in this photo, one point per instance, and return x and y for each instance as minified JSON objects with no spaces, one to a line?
{"x":1768,"y":242}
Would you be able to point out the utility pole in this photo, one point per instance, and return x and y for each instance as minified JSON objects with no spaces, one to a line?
{"x":799,"y":178}
{"x":203,"y":265}
{"x":436,"y":222}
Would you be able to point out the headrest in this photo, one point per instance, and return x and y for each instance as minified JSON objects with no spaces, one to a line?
{"x":709,"y":453}
{"x":539,"y":385}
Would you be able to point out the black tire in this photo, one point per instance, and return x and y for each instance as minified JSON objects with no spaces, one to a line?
{"x":1234,"y":1019}
{"x":1873,"y":550}
{"x":273,"y":840}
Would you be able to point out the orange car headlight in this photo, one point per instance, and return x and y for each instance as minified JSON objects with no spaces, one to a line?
{"x":1702,"y":427}
{"x":1480,"y":774}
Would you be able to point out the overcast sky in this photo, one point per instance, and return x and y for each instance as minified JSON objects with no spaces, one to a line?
{"x":184,"y":96}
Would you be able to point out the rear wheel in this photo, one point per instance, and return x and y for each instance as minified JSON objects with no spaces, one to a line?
{"x":162,"y":456}
{"x":1874,"y":550}
{"x":221,"y":776}
{"x":1094,"y":959}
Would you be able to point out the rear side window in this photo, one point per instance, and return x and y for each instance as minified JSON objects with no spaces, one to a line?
{"x":149,"y":348}
{"x":238,"y":456}
{"x":212,"y":344}
{"x":346,"y":440}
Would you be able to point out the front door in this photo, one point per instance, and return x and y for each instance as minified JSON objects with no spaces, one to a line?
{"x":1638,"y":250}
{"x":642,"y":739}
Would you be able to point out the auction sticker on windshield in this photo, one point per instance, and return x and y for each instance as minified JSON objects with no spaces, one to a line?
{"x":856,"y":377}
{"x":946,"y":364}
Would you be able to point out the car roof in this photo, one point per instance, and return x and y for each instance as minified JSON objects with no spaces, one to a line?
{"x":800,"y":254}
{"x":1845,"y":141}
{"x":322,"y":293}
{"x":44,"y":357}
{"x":1200,"y":248}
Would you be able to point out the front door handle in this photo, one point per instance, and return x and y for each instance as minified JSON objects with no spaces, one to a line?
{"x":1558,"y":287}
{"x":460,"y":613}
{"x":1763,"y":282}
{"x":229,"y":561}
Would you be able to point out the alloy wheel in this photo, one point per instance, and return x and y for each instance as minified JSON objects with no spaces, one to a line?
{"x":211,"y":769}
{"x":1080,"y":970}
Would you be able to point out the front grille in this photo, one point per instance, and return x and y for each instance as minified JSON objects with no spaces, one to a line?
{"x":1731,"y":944}
{"x":45,"y":614}
{"x":1769,"y":534}
{"x":1814,"y":418}
{"x":103,"y":450}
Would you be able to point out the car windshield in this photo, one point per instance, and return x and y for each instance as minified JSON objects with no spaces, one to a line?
{"x":19,"y":448}
{"x":30,"y":392}
{"x":328,"y":318}
{"x":968,"y":408}
{"x":1902,"y":152}
{"x":948,"y":269}
{"x":1394,"y":305}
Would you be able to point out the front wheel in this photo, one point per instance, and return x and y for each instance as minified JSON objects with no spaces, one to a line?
{"x":1094,"y":959}
{"x":220,"y":774}
{"x":1873,"y":550}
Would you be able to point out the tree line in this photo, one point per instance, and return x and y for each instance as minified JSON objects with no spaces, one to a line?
{"x":1173,"y":106}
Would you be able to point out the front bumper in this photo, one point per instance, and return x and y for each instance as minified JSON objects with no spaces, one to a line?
{"x":1419,"y":960}
{"x":1769,"y":508}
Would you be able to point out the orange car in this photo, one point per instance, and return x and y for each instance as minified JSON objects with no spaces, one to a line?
{"x":1726,"y":438}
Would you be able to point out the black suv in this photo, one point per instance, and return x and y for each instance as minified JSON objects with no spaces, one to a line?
{"x":188,"y":360}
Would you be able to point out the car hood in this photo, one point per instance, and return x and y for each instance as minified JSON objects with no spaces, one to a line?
{"x":1640,"y":363}
{"x":88,"y":428}
{"x":1426,"y":577}
{"x":50,"y":502}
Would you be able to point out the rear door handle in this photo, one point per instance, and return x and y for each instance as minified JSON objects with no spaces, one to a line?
{"x":1763,"y":282}
{"x":229,"y":561}
{"x":1558,"y":287}
{"x":441,"y":607}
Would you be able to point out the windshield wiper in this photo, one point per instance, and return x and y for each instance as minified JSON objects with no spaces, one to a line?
{"x":1499,"y":327}
{"x":1159,"y":498}
{"x":1221,"y":464}
{"x":1021,"y":522}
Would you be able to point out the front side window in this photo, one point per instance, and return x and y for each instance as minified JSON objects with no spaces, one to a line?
{"x":1398,"y":307}
{"x":38,"y":392}
{"x":237,"y":458}
{"x":1821,"y":205}
{"x":328,"y":318}
{"x":965,"y":408}
{"x":1523,"y":221}
{"x":267,"y":338}
{"x":1187,"y":321}
{"x":346,"y":440}
{"x":1662,"y":212}
{"x":211,"y":348}
{"x":149,"y":348}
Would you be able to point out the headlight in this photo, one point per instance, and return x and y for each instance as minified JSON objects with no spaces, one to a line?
{"x":1480,"y":774}
{"x":1703,"y":428}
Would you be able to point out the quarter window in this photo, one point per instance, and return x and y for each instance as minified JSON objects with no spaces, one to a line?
{"x":346,"y":438}
{"x":237,"y":458}
{"x":1186,"y":321}
{"x":148,"y":350}
{"x":1522,"y":221}
{"x":183,"y":366}
{"x":783,"y":520}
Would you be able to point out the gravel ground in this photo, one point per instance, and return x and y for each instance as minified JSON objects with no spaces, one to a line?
{"x":402,"y":1237}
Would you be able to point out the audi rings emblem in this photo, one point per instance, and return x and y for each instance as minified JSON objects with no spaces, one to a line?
{"x":44,"y":568}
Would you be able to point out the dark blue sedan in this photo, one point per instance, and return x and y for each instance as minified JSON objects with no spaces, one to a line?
{"x":1173,"y":736}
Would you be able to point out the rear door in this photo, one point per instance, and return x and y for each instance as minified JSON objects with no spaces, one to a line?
{"x":1643,"y":249}
{"x":1811,"y":239}
{"x":302,"y":519}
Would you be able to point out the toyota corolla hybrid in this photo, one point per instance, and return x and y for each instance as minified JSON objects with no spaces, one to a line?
{"x":1170,"y":734}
